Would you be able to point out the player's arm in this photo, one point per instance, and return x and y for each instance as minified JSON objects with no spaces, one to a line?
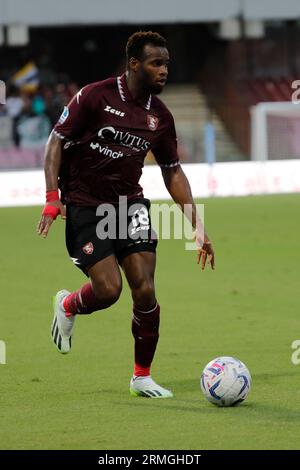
{"x":53,"y":205}
{"x":179,"y":188}
{"x":165,"y":152}
{"x":70,"y":127}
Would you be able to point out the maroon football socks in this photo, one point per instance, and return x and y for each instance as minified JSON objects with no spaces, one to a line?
{"x":83,"y":301}
{"x":145,"y":330}
{"x":145,"y":325}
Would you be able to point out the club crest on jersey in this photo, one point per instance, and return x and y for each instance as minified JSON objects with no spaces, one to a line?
{"x":152,"y":122}
{"x":88,"y":248}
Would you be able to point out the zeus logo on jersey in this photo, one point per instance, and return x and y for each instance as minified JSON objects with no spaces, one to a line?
{"x":111,"y":110}
{"x":124,"y":138}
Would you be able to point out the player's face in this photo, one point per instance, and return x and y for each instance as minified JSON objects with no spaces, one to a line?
{"x":153,"y":68}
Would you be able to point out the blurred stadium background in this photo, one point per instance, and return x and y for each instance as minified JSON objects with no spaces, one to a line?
{"x":230,"y":87}
{"x":235,"y":65}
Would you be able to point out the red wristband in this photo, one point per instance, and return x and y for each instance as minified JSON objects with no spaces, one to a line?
{"x":52,"y":195}
{"x":51,"y":211}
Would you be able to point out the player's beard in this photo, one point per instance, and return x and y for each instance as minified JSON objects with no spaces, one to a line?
{"x":154,"y":88}
{"x":150,"y":86}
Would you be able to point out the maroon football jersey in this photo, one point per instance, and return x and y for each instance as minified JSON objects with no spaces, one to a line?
{"x":107,"y":135}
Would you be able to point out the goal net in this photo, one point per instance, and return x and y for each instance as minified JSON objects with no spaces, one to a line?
{"x":275,"y":131}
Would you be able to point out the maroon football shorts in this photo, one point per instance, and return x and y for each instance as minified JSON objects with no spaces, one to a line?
{"x":120,"y":231}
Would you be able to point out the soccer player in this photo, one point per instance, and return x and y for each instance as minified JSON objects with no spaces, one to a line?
{"x":94,"y":155}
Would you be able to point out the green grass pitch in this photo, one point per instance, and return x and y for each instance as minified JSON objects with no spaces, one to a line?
{"x":248,"y":308}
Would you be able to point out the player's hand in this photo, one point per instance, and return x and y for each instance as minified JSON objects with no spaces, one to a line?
{"x":50,"y":212}
{"x":205,"y":251}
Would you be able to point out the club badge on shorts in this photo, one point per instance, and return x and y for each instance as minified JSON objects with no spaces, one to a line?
{"x":152,"y":122}
{"x":88,"y":248}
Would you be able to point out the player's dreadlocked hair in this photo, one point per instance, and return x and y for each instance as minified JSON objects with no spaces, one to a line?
{"x":136,"y":42}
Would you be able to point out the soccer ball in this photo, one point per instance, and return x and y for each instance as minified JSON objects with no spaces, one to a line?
{"x":225,"y":381}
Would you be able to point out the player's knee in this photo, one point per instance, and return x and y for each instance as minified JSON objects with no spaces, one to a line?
{"x":144,"y":294}
{"x":113,"y":293}
{"x":108,"y":292}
